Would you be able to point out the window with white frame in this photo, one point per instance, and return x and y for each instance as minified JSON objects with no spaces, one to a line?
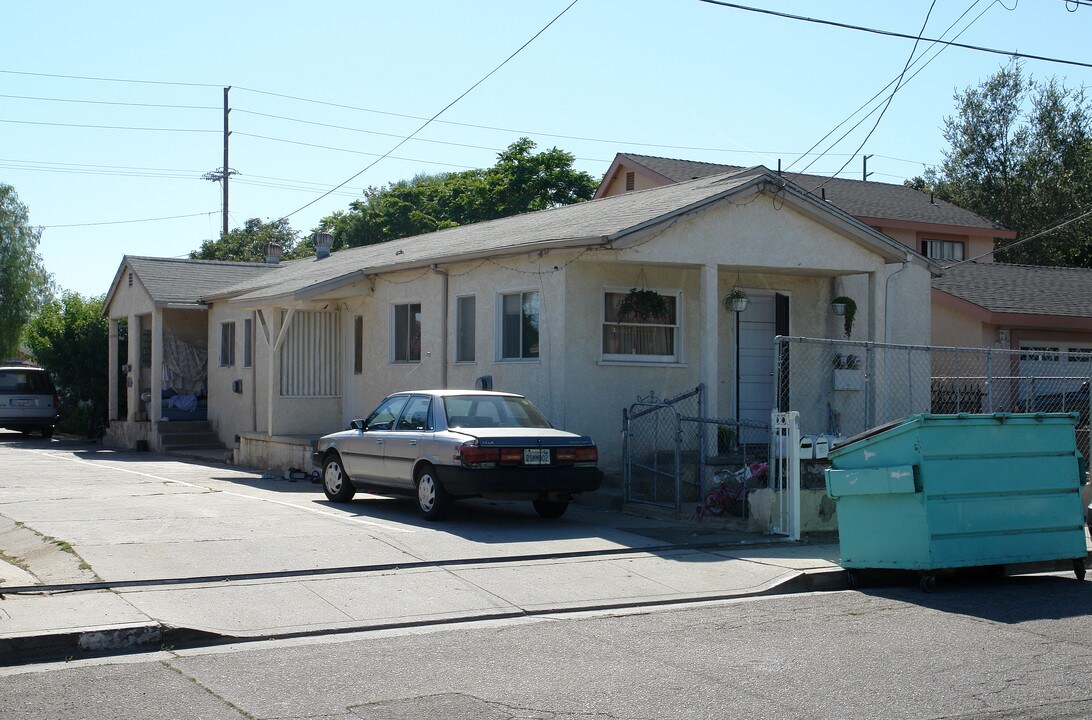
{"x":227,"y":344}
{"x":519,"y":325}
{"x":942,"y":249}
{"x":248,"y":342}
{"x":406,"y":332}
{"x":464,"y":328}
{"x":627,"y":337}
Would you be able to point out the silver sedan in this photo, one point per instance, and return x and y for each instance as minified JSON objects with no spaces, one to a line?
{"x":439,"y":445}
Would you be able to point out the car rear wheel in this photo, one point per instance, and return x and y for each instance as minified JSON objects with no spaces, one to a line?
{"x":432,"y":499}
{"x":550,"y":509}
{"x":47,"y":432}
{"x":335,"y":481}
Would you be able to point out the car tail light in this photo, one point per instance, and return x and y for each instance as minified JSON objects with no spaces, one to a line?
{"x":56,"y":401}
{"x":473,"y":455}
{"x":578,"y":455}
{"x":511,"y":456}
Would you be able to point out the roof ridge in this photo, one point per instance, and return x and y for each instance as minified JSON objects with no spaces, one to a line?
{"x":199,"y":261}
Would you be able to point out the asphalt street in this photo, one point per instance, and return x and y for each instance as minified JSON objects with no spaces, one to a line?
{"x":975,"y":650}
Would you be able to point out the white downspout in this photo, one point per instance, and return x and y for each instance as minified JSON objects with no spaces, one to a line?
{"x":887,"y":302}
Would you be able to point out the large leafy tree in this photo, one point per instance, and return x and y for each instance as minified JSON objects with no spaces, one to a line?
{"x":24,"y":282}
{"x":1020,"y":152}
{"x":521,"y":181}
{"x":248,"y":243}
{"x":69,"y":337}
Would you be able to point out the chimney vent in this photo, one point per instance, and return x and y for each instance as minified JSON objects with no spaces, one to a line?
{"x":273,"y":253}
{"x":323,"y":242}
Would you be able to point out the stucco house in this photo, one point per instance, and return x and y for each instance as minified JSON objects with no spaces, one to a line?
{"x":157,"y":321}
{"x":937,"y":229}
{"x":975,"y":301}
{"x":1046,"y":312}
{"x":529,"y":304}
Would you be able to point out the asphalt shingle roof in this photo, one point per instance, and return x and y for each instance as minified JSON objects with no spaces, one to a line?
{"x":1004,"y":288}
{"x":592,"y":221}
{"x":184,"y":281}
{"x":859,"y":198}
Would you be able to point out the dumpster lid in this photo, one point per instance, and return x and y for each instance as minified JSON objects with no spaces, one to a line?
{"x":922,"y":418}
{"x":874,"y":431}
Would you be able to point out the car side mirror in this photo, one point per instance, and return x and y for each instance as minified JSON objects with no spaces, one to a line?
{"x":357,"y":425}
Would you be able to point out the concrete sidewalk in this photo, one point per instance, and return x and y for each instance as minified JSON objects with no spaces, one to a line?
{"x":106,"y":551}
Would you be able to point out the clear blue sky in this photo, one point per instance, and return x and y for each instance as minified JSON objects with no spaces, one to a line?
{"x":676,"y":78}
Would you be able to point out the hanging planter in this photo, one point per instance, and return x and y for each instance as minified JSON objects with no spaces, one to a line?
{"x":845,"y":308}
{"x":737,"y":300}
{"x":642,"y":305}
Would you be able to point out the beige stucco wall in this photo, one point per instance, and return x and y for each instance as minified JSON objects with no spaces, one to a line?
{"x":764,"y":245}
{"x":955,"y":329}
{"x":232,"y":413}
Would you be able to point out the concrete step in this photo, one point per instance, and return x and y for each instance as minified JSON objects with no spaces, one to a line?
{"x":190,"y":438}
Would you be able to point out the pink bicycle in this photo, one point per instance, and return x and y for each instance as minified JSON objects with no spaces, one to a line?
{"x":730,"y":490}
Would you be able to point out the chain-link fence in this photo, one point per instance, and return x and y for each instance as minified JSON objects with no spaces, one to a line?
{"x":841,"y":388}
{"x":674,"y":455}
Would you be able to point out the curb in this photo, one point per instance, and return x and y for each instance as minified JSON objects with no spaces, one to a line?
{"x":65,"y":646}
{"x":104,"y":642}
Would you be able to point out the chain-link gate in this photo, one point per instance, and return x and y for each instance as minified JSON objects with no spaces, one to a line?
{"x":674,"y":457}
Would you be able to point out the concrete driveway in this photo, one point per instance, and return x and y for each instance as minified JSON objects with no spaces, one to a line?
{"x":101,"y":548}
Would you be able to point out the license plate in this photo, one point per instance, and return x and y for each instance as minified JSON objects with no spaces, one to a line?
{"x":22,"y":402}
{"x":537,"y":456}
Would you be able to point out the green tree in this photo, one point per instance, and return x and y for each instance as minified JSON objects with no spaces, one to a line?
{"x":1020,"y":153}
{"x":69,"y":337}
{"x":521,"y":181}
{"x":24,"y":282}
{"x":248,"y":243}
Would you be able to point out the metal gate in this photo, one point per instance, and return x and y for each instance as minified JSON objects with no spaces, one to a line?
{"x":673,"y":455}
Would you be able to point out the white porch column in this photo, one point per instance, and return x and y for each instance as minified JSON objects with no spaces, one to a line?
{"x":157,"y":366}
{"x":112,"y":371}
{"x":133,"y":380}
{"x":274,"y":369}
{"x":710,"y":313}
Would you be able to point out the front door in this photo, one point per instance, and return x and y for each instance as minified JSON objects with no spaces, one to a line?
{"x":764,"y":319}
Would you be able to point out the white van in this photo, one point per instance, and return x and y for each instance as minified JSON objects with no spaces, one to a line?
{"x":28,"y":399}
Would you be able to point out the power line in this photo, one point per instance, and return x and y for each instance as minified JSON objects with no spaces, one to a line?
{"x":441,"y":112}
{"x":1021,"y":241}
{"x":898,"y":84}
{"x":885,"y":87}
{"x":106,"y":102}
{"x":890,"y":33}
{"x":115,"y":80}
{"x":126,"y":222}
{"x":106,"y":127}
{"x":355,"y":152}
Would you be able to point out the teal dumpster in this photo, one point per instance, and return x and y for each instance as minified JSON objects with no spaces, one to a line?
{"x":952,"y":491}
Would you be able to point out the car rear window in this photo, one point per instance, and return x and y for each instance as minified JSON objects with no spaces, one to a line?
{"x":478,"y":411}
{"x":25,"y":381}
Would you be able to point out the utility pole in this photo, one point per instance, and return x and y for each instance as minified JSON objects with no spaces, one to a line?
{"x":224,"y":173}
{"x":864,"y":164}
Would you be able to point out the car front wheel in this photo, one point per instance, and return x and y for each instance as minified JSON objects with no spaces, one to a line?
{"x":335,"y":481}
{"x":432,"y":499}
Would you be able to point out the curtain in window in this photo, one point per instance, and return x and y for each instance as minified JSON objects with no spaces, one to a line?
{"x":310,"y":357}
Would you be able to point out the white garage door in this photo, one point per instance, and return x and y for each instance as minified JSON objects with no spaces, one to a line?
{"x":1051,"y":366}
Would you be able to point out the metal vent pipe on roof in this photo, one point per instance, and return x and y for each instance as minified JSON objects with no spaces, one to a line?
{"x":273,"y":253}
{"x":323,"y":242}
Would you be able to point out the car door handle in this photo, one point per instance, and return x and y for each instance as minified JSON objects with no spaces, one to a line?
{"x":378,"y":442}
{"x":412,"y":442}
